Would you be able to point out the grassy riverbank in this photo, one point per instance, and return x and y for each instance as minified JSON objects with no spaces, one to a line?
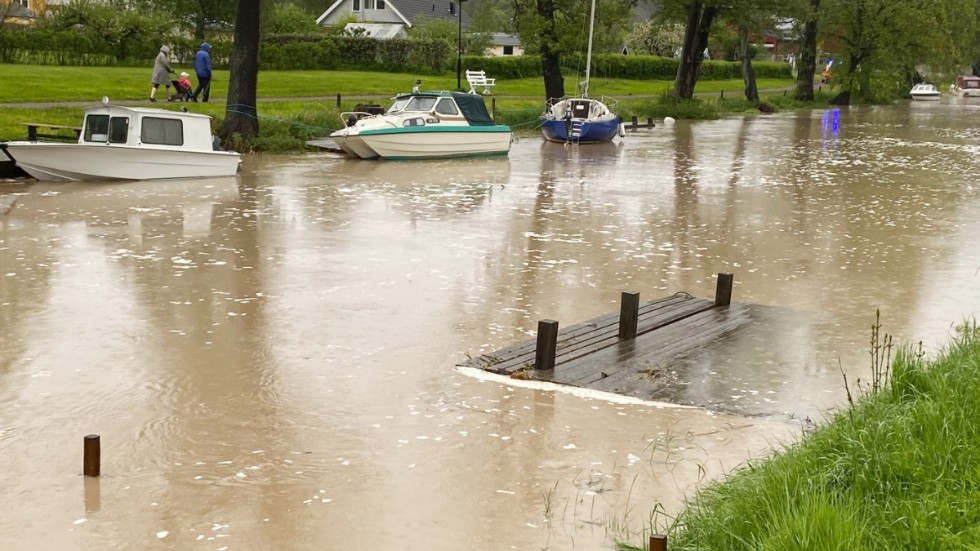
{"x":898,"y":470}
{"x":295,"y":106}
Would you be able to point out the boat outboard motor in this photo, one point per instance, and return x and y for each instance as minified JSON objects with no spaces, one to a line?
{"x":351,"y":120}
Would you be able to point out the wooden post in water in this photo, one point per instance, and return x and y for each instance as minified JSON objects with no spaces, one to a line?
{"x":93,"y":455}
{"x":629,"y":315}
{"x":650,"y":122}
{"x":635,"y":121}
{"x":338,"y":101}
{"x":723,"y":292}
{"x":658,"y":542}
{"x":547,"y":347}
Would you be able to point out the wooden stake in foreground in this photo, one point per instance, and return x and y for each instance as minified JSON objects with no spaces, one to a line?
{"x":93,"y":455}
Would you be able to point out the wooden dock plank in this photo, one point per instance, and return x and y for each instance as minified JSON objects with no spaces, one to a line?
{"x":592,"y":354}
{"x":664,"y":342}
{"x":600,"y":323}
{"x":587,"y":338}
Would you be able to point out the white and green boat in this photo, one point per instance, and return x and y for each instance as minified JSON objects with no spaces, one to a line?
{"x":424,"y":125}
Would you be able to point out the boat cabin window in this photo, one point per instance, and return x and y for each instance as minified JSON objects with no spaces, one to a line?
{"x":417,"y":121}
{"x":446,"y":106}
{"x":399,"y":105}
{"x":162,"y":131}
{"x":96,"y":128}
{"x":420,"y":104}
{"x":118,"y":129}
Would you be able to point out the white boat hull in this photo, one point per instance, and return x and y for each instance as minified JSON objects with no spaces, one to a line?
{"x":926,"y":97}
{"x":79,"y":162}
{"x":428,"y":144}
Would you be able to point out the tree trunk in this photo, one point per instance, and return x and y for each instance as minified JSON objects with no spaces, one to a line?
{"x":241,"y":115}
{"x":554,"y":84}
{"x":699,"y":20}
{"x":807,"y":64}
{"x":748,"y":73}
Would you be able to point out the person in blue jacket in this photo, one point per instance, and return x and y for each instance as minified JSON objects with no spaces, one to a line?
{"x":202,"y":66}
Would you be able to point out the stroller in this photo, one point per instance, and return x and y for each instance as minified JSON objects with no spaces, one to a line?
{"x":181,"y":93}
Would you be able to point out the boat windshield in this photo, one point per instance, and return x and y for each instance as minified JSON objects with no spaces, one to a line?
{"x":421,"y":104}
{"x":399,"y":105}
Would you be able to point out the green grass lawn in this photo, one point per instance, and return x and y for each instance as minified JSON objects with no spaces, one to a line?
{"x":298,"y":105}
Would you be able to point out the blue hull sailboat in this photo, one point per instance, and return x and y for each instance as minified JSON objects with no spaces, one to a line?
{"x":581,"y":119}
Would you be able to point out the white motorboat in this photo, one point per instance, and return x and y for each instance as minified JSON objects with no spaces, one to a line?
{"x":581,"y":119}
{"x":423,"y":125}
{"x":967,"y":86}
{"x":925,"y":91}
{"x":129,"y":143}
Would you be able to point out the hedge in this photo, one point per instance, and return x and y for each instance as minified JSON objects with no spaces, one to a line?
{"x":321,"y":51}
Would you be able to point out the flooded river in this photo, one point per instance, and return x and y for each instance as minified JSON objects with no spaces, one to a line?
{"x":270,"y":360}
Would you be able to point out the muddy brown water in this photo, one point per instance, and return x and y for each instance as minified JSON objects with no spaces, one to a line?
{"x":270,"y":360}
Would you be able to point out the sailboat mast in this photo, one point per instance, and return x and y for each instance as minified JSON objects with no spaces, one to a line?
{"x":588,"y":54}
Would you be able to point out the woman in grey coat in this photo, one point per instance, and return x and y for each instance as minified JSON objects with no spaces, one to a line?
{"x":161,"y":72}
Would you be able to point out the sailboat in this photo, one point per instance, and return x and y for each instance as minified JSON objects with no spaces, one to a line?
{"x":581,"y":119}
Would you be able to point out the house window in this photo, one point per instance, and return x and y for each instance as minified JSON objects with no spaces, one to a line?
{"x":357,"y":5}
{"x":380,"y":5}
{"x":508,"y":50}
{"x":162,"y":131}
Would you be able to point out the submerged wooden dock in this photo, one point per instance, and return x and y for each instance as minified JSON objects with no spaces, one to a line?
{"x":625,"y":352}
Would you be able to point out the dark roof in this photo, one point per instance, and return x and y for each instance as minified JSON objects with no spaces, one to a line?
{"x":417,"y":10}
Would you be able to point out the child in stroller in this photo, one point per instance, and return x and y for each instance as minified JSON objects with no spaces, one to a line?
{"x":182,"y":88}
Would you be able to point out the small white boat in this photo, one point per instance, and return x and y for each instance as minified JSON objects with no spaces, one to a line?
{"x":129,"y":143}
{"x":424,"y":125}
{"x":925,"y":91}
{"x":967,"y":86}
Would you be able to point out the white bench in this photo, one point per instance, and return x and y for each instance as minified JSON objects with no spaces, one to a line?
{"x":477,"y":79}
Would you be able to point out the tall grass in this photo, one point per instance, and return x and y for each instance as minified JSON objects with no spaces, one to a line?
{"x":899,"y":470}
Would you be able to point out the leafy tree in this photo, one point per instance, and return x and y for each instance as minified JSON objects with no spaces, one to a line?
{"x":241,"y":114}
{"x":807,"y":63}
{"x":881,"y":42}
{"x":555,"y":28}
{"x":700,"y":16}
{"x":286,"y":18}
{"x":653,"y":37}
{"x":447,"y":31}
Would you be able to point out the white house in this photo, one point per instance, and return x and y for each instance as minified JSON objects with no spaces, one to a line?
{"x":504,"y":44}
{"x":392,"y":18}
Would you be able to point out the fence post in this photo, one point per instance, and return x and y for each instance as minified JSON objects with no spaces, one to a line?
{"x":723,"y":291}
{"x":338,"y":101}
{"x":629,"y":315}
{"x":658,"y":542}
{"x":93,"y":455}
{"x":547,"y":347}
{"x":493,"y":109}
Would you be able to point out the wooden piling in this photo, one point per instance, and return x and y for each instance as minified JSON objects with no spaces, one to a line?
{"x":93,"y":455}
{"x":338,"y":101}
{"x":650,"y":122}
{"x":658,"y":542}
{"x":635,"y":121}
{"x":629,"y":315}
{"x":723,"y":291}
{"x":493,"y":109}
{"x":547,"y":345}
{"x":722,"y":96}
